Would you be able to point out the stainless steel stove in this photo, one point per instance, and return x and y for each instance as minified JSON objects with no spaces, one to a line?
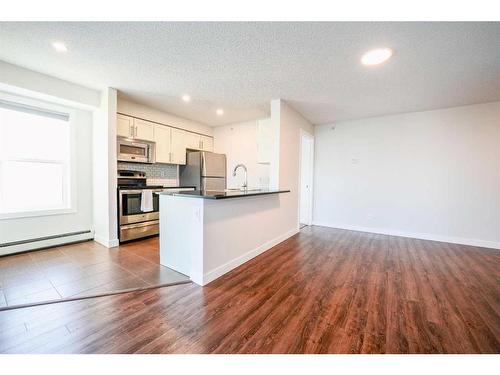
{"x":133,"y":222}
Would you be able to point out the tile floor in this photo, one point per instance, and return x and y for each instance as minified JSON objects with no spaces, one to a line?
{"x":83,"y":269}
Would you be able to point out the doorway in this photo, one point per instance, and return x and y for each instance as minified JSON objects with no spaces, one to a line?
{"x":306,"y":178}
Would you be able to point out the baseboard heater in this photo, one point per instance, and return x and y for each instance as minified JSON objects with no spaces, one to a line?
{"x":42,"y":242}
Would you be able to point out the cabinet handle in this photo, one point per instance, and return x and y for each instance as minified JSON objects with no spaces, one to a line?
{"x":131,"y":130}
{"x":136,"y":131}
{"x":202,"y":147}
{"x":170,"y":156}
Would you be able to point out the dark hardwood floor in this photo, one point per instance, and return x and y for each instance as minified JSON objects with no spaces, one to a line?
{"x":321,"y":291}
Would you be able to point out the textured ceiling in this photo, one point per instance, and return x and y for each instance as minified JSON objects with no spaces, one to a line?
{"x":242,"y":66}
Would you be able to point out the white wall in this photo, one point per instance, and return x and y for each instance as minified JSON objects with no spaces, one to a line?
{"x":284,"y":171}
{"x":291,"y":123}
{"x":26,"y":228}
{"x":433,"y":174}
{"x":275,"y":123}
{"x":20,"y":81}
{"x":272,"y":218}
{"x":138,"y":110}
{"x":239,"y":143}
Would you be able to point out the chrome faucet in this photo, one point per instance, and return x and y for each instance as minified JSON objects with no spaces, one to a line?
{"x":245,"y":184}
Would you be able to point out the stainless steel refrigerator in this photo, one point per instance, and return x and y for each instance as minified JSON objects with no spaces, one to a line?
{"x":204,"y":170}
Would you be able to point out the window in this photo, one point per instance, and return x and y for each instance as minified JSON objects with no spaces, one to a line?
{"x":35,"y":160}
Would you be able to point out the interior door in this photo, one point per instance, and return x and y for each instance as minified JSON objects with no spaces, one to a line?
{"x":162,"y":137}
{"x":306,"y":178}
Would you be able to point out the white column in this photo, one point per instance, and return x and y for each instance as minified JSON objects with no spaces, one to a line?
{"x":104,"y":170}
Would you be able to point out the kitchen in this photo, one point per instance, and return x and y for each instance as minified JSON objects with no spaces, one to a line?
{"x":317,"y":191}
{"x":194,"y":171}
{"x":160,"y":157}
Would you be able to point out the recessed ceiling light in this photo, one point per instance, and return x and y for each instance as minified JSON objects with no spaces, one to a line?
{"x":376,"y":56}
{"x":59,"y":46}
{"x":220,"y":112}
{"x":186,"y":98}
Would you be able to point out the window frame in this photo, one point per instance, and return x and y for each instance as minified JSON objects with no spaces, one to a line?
{"x":71,"y":171}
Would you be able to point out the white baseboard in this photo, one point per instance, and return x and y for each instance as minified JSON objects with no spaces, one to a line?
{"x":232,"y":264}
{"x":106,"y":242}
{"x":45,"y":243}
{"x":421,"y":236}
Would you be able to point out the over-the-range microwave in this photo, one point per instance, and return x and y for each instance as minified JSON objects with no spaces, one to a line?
{"x":134,"y":150}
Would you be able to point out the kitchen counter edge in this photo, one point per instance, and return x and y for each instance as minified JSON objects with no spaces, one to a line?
{"x":223,"y":195}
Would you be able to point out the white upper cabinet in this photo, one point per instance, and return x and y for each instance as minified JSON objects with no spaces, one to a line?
{"x":178,"y":146}
{"x":207,"y":143}
{"x":163,"y":140}
{"x":130,"y":127}
{"x":170,"y":146}
{"x":193,"y":141}
{"x":143,"y":130}
{"x":171,"y":143}
{"x":199,"y":142}
{"x":124,"y":126}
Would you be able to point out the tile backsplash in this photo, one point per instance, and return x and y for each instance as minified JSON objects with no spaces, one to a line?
{"x":153,"y":171}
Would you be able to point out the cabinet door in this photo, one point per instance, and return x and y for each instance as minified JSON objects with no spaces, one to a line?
{"x":162,"y":137}
{"x":124,"y":126}
{"x":143,"y":130}
{"x":207,"y":143}
{"x":192,"y":141}
{"x":178,"y":146}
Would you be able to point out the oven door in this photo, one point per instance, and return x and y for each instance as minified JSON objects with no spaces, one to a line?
{"x":129,"y":206}
{"x":138,"y":152}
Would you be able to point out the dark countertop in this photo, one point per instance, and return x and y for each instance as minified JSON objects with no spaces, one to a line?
{"x":124,"y":187}
{"x":213,"y":194}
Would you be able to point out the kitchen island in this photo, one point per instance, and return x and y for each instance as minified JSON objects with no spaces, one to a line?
{"x":205,"y":234}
